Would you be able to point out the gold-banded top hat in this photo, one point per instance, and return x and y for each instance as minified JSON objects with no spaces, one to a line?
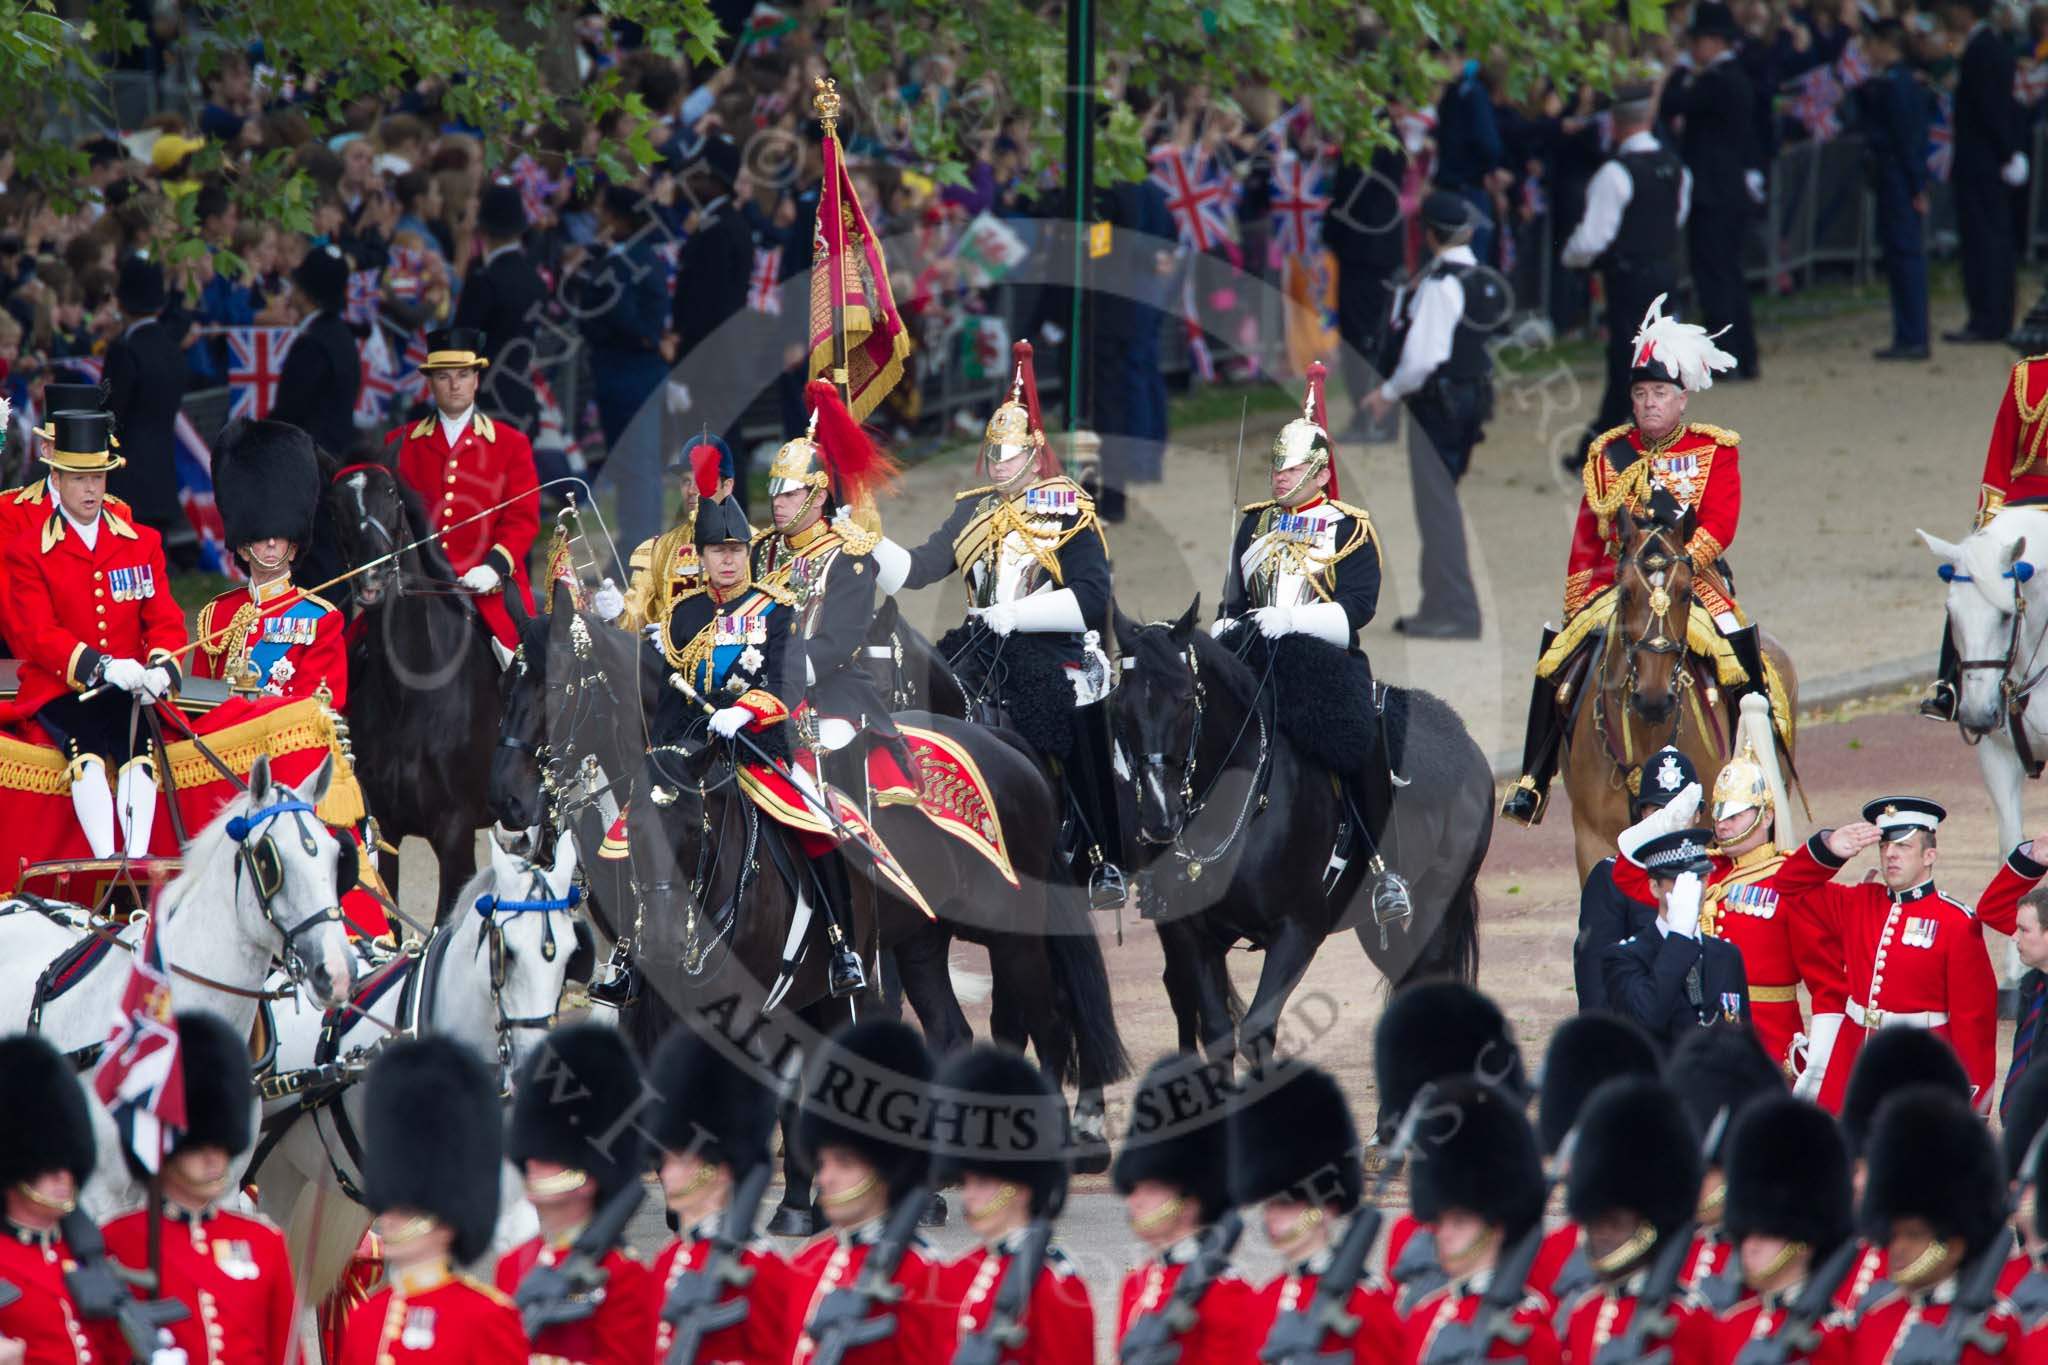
{"x":60,"y":397}
{"x":455,"y":348}
{"x":82,"y":443}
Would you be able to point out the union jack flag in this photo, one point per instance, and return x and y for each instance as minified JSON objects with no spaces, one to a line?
{"x":537,"y":189}
{"x":1940,"y":136}
{"x":764,"y":285}
{"x":1199,"y":358}
{"x":1299,"y":202}
{"x":1198,"y":195}
{"x":363,"y":297}
{"x":379,"y":381}
{"x":140,"y":1077}
{"x":255,"y":363}
{"x":2030,"y":83}
{"x":1852,"y":68}
{"x":195,"y":496}
{"x":406,"y":275}
{"x":1815,"y":98}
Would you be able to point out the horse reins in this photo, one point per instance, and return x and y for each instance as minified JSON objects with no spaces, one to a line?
{"x":2013,"y":697}
{"x":1191,"y":806}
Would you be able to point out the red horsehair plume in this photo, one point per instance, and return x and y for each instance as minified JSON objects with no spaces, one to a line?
{"x":704,"y":461}
{"x":1027,"y":382}
{"x":1314,"y":408}
{"x":859,"y":468}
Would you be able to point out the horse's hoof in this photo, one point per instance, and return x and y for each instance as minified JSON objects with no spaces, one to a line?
{"x":797,"y":1221}
{"x":1091,"y":1154}
{"x":934,"y":1215}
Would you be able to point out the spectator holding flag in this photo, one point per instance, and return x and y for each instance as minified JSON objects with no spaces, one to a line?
{"x":1893,"y":112}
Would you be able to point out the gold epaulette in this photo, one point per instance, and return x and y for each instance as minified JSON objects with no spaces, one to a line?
{"x":1062,"y":481}
{"x":777,"y":593}
{"x":118,"y":526}
{"x":1720,"y":436}
{"x":857,"y":541}
{"x":426,"y":424}
{"x":765,"y":533}
{"x":489,"y":1291}
{"x":30,"y":495}
{"x":1251,"y":507}
{"x":318,"y":601}
{"x":642,"y":556}
{"x":1599,"y":445}
{"x":1352,"y":510}
{"x":974,"y":492}
{"x":484,"y":428}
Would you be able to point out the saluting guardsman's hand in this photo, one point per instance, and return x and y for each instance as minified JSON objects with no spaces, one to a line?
{"x":1682,"y":905}
{"x":1847,"y":841}
{"x":483,"y":578}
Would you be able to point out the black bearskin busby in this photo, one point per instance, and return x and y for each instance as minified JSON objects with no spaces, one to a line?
{"x":220,"y":1097}
{"x":2021,"y":1114}
{"x":572,"y":1102}
{"x":1717,"y":1069}
{"x":869,"y":1091}
{"x":1434,"y":1030}
{"x":266,"y":481}
{"x":712,"y":1104}
{"x":1179,"y":1133}
{"x":36,"y":1083}
{"x":996,"y":1114}
{"x":1788,"y":1176}
{"x":1586,"y":1050}
{"x":1474,"y":1150}
{"x":1292,"y":1133}
{"x":433,"y":1141}
{"x":1931,"y":1158}
{"x":1637,"y":1150}
{"x":1890,"y":1060}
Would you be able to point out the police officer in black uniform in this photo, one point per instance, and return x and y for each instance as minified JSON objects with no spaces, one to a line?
{"x":1634,"y":206}
{"x":1606,"y":916}
{"x":1674,"y":979}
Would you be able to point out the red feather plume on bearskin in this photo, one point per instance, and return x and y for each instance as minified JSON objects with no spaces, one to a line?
{"x":859,"y":468}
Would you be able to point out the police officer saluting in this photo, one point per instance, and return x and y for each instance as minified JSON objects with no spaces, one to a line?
{"x":1442,"y":370}
{"x":1676,"y":979}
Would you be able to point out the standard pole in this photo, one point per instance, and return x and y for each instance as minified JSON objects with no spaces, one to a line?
{"x":1080,"y":174}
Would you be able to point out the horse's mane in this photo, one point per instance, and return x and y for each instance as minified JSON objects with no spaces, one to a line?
{"x":433,"y":559}
{"x":1155,"y":649}
{"x":205,"y":846}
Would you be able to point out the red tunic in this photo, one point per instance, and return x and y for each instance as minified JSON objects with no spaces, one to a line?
{"x":1709,"y":1256}
{"x":293,"y":638}
{"x":44,"y":1317}
{"x":21,"y":508}
{"x":1228,"y":1329}
{"x":2016,"y":463}
{"x":924,"y":1315}
{"x":230,"y":1271}
{"x":1460,"y":1302}
{"x":1600,"y":1315}
{"x":764,"y":1336}
{"x":1743,"y":904}
{"x":72,"y":606}
{"x":1750,"y":1320}
{"x":1558,"y":1245}
{"x":1873,"y":1265}
{"x":1880,"y":1327}
{"x":1917,"y":957}
{"x":491,"y":462}
{"x":1059,"y":1320}
{"x":1379,"y":1339}
{"x":616,"y":1334}
{"x":447,"y":1320}
{"x":1699,"y":467}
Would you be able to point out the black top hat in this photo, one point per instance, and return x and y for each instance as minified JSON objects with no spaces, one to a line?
{"x":1682,"y":850}
{"x":573,"y":1103}
{"x":82,"y":443}
{"x":1896,"y":817}
{"x":1292,"y":1134}
{"x":712,"y":1105}
{"x":323,"y":275}
{"x":996,"y":1114}
{"x":61,"y":397}
{"x":1713,"y":20}
{"x":266,"y":481}
{"x":455,"y":348}
{"x":140,"y":288}
{"x":501,"y":212}
{"x":432,"y":1138}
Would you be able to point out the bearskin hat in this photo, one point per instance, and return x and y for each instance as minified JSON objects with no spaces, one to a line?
{"x":1434,"y":1030}
{"x":432,"y":1138}
{"x":1179,"y":1133}
{"x":1788,"y":1175}
{"x":266,"y":481}
{"x":1474,"y":1150}
{"x":996,"y":1114}
{"x":1931,"y":1158}
{"x":720,"y":1108}
{"x":1586,"y":1050}
{"x":869,"y":1091}
{"x":571,"y":1103}
{"x":220,"y":1097}
{"x":1292,"y":1133}
{"x":52,"y":1128}
{"x":1721,"y":1069}
{"x":1636,"y":1150}
{"x":2021,"y":1113}
{"x":1890,"y":1060}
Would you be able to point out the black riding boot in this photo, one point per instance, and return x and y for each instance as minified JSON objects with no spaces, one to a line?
{"x":845,"y":975}
{"x":1531,"y":792}
{"x":1748,"y":644}
{"x":1375,"y":799}
{"x":1091,"y":780}
{"x":1948,"y":675}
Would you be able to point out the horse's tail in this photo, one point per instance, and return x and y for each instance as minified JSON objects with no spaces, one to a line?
{"x":1081,"y":983}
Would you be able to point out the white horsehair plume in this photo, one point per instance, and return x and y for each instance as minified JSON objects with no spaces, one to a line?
{"x":1684,"y":348}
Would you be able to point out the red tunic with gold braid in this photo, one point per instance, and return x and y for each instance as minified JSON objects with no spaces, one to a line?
{"x":1698,"y":465}
{"x":44,"y":1317}
{"x":490,"y":463}
{"x":2016,"y":464}
{"x":430,"y":1316}
{"x":230,"y":1271}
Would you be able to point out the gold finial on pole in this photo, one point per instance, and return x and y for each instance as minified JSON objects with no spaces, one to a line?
{"x":825,"y":98}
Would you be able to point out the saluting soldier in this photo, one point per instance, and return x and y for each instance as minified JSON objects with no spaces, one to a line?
{"x":1719,"y":1073}
{"x":714,"y":1126}
{"x":1676,"y":979}
{"x":1009,"y":1153}
{"x":433,"y":1146}
{"x":1036,"y":565}
{"x":230,"y":1270}
{"x":665,"y":567}
{"x":1305,"y":563}
{"x":858,"y":1129}
{"x":572,"y":1135}
{"x":91,"y":605}
{"x":271,"y":636}
{"x":1294,"y":1156}
{"x":461,"y":462}
{"x":1607,"y":915}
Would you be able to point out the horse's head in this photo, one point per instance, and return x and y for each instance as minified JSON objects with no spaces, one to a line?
{"x":1654,"y":582}
{"x":531,"y":935}
{"x":516,"y":764}
{"x":1988,"y":579}
{"x":369,"y":521}
{"x":1159,"y":717}
{"x":666,"y":827}
{"x":291,"y":873}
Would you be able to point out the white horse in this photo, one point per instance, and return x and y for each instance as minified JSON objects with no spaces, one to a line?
{"x":1998,"y":618}
{"x":491,"y":976}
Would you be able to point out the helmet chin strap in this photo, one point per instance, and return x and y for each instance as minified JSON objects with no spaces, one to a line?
{"x":1756,"y":817}
{"x":1305,"y":487}
{"x":796,"y":521}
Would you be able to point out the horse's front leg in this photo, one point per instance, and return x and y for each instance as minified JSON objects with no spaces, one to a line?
{"x":1287,"y":959}
{"x":1178,"y":976}
{"x":455,"y":851}
{"x":2004,"y":777}
{"x":922,"y":959}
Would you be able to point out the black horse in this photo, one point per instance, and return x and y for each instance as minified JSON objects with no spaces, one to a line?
{"x":1245,"y":833}
{"x":422,"y":681}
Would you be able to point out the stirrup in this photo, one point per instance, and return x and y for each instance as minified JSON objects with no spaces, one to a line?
{"x":1524,"y":803}
{"x":845,"y":976}
{"x":1106,"y":887}
{"x":617,"y":990}
{"x":1390,"y":900}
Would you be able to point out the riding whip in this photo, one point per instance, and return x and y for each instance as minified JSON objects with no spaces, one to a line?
{"x":1230,"y":567}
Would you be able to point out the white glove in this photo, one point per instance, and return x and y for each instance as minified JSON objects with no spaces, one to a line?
{"x":158,"y":681}
{"x":483,"y":578}
{"x":1324,"y":620}
{"x":2014,"y":172}
{"x":652,"y":631}
{"x":168,"y":1355}
{"x":1042,"y":611}
{"x":1820,"y":1044}
{"x":1273,"y":622}
{"x":1676,"y":813}
{"x":892,"y":562}
{"x":677,"y":398}
{"x":1754,"y":181}
{"x":608,"y":602}
{"x":1000,"y":618}
{"x":1223,"y":623}
{"x":729,"y":721}
{"x":125,"y":674}
{"x":1682,"y":906}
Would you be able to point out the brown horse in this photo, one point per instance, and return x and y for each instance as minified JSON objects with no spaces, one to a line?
{"x":1637,"y":686}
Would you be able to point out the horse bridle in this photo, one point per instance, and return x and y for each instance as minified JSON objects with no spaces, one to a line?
{"x":1190,"y":804}
{"x":266,"y":872}
{"x":1653,"y":641}
{"x":537,"y":902}
{"x":2013,"y":695}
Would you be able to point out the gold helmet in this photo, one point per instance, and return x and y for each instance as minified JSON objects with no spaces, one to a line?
{"x":834,"y":459}
{"x":1016,"y":427}
{"x":1743,"y":785}
{"x":1306,"y":441}
{"x":800,"y":463}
